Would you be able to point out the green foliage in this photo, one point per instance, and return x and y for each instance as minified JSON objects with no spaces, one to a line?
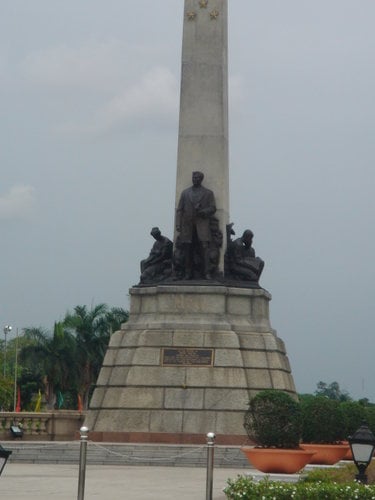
{"x":6,"y":393}
{"x":92,"y":330}
{"x":370,"y":417}
{"x":354,"y":415}
{"x":340,"y":475}
{"x":30,"y":381}
{"x":331,"y":391}
{"x":68,"y":360}
{"x":323,"y":421}
{"x":50,"y":359}
{"x":274,"y":419}
{"x":344,"y":474}
{"x":243,"y":488}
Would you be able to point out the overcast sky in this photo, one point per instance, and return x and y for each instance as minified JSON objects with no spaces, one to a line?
{"x":89,"y":95}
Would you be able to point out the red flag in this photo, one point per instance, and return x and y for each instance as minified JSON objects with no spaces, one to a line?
{"x":80,"y":405}
{"x":18,"y":405}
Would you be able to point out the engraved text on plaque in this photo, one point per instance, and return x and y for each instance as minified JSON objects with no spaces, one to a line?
{"x":187,"y":356}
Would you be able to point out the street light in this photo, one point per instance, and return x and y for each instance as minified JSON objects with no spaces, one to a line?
{"x":4,"y":455}
{"x":7,"y":329}
{"x":362,"y":444}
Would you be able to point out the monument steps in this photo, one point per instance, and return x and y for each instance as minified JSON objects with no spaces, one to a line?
{"x":123,"y":454}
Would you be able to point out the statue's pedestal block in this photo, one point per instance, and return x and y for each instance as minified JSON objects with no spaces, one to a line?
{"x":186,"y":363}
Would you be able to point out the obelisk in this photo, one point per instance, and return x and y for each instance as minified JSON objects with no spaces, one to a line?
{"x":203,"y":126}
{"x":193,"y":350}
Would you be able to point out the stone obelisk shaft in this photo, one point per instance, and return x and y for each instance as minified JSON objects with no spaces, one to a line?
{"x":203,"y":127}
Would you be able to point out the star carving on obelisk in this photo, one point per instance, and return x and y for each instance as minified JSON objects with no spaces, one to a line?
{"x":214,"y":14}
{"x":191,"y":15}
{"x":203,"y":4}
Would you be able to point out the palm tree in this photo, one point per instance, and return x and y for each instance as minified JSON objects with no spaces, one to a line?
{"x":52,"y":357}
{"x":92,"y":330}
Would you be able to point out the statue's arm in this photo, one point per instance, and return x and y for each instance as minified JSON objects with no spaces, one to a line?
{"x":210,"y":209}
{"x":179,"y":211}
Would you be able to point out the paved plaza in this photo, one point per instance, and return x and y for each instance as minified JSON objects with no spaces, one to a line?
{"x":43,"y":482}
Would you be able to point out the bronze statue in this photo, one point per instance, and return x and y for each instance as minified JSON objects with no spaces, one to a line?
{"x":158,"y":265}
{"x":194,"y":211}
{"x":240,"y":260}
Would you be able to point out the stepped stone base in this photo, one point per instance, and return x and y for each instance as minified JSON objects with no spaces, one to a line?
{"x":186,"y":363}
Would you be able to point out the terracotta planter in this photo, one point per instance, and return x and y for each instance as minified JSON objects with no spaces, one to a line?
{"x":348,"y":455}
{"x":275,"y":460}
{"x":326,"y":454}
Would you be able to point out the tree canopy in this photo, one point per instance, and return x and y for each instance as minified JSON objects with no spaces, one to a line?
{"x":63,"y":363}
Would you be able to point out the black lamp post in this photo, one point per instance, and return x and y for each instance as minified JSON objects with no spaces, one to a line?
{"x":362,"y":444}
{"x":4,"y":455}
{"x":7,"y":329}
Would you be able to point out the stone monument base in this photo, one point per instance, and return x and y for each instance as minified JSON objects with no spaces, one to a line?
{"x":185,"y":364}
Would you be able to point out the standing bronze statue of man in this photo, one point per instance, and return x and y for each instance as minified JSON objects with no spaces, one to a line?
{"x":196,"y":206}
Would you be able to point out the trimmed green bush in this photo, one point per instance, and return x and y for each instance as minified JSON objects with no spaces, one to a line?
{"x":323,"y":421}
{"x":274,"y":419}
{"x":370,"y":417}
{"x":354,"y":415}
{"x":243,"y":488}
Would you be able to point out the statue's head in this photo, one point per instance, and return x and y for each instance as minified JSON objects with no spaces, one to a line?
{"x":247,"y":237}
{"x":197,"y":178}
{"x":155,"y":232}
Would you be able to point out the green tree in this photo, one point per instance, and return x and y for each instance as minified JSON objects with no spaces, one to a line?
{"x":92,"y":330}
{"x":50,"y":358}
{"x":6,"y":393}
{"x":332,"y":391}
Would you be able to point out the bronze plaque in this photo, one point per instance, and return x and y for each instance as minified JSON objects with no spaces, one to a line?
{"x":187,"y":356}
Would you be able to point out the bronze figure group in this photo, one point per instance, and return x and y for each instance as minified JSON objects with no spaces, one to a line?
{"x":198,"y":243}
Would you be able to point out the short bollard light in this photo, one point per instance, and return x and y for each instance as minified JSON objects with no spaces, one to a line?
{"x":362,"y":444}
{"x":4,"y":455}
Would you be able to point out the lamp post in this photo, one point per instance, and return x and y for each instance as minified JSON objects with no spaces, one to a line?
{"x":4,"y":455}
{"x":7,"y":329}
{"x":362,"y":444}
{"x":15,"y":375}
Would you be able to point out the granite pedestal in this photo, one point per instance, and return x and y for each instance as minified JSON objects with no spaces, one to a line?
{"x":186,"y":363}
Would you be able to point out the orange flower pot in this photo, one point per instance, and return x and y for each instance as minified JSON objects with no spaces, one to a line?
{"x":348,"y":455}
{"x":276,"y":460}
{"x":326,"y":454}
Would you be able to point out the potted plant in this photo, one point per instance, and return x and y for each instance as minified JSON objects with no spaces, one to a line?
{"x":274,"y":422}
{"x":323,"y":429}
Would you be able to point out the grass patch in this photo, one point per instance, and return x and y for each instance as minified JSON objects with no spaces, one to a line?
{"x":340,"y":475}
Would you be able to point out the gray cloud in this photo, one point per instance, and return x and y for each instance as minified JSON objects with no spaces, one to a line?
{"x":18,"y":203}
{"x":154,"y":97}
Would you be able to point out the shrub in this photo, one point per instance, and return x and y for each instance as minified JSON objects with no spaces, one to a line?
{"x":245,"y":488}
{"x":323,"y":421}
{"x":354,"y":415}
{"x":274,"y":419}
{"x":370,"y":417}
